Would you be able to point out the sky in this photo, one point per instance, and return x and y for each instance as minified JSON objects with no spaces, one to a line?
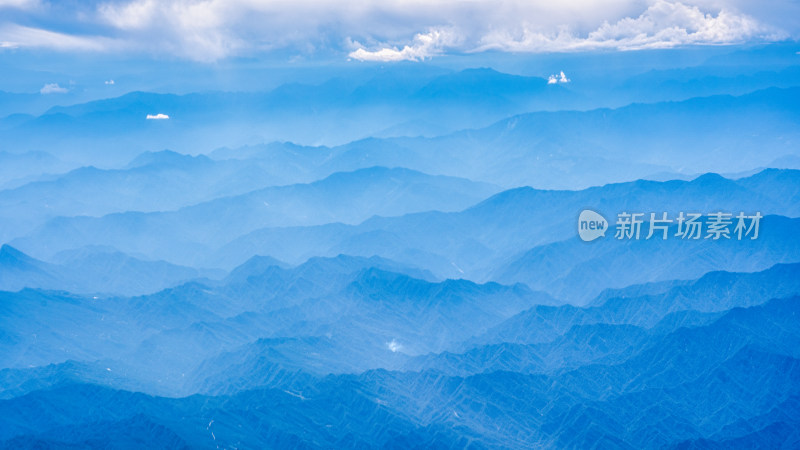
{"x":210,"y":31}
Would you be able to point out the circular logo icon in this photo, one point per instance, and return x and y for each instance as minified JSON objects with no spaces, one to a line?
{"x":591,"y":225}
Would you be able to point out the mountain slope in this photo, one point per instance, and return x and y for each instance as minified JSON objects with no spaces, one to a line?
{"x":181,"y":234}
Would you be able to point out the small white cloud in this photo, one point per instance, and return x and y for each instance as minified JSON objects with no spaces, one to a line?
{"x":53,"y":88}
{"x":157,"y":116}
{"x":554,"y":79}
{"x":424,"y":46}
{"x":109,"y":82}
{"x":394,"y":346}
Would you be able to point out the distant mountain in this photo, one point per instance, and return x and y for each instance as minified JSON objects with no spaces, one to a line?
{"x":484,"y":242}
{"x":18,"y":382}
{"x":344,"y":109}
{"x":28,"y":103}
{"x":153,"y":181}
{"x":365,"y":316}
{"x":545,"y":340}
{"x":717,"y":381}
{"x":780,"y":185}
{"x":91,"y":270}
{"x":702,"y":378}
{"x":483,"y":85}
{"x":253,"y":267}
{"x":131,"y":419}
{"x":713,"y":292}
{"x":259,"y":286}
{"x":18,"y":168}
{"x":394,"y":252}
{"x":679,"y":84}
{"x":420,"y":316}
{"x":345,"y":197}
{"x":576,"y":272}
{"x":376,"y":320}
{"x":510,"y":137}
{"x":18,"y":270}
{"x":578,"y":149}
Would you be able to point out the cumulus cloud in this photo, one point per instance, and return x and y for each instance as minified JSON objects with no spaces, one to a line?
{"x":386,"y":30}
{"x":663,"y":24}
{"x":424,"y":46}
{"x":394,"y":346}
{"x":555,"y":79}
{"x":198,"y":30}
{"x":109,"y":82}
{"x":53,"y":88}
{"x":158,"y":116}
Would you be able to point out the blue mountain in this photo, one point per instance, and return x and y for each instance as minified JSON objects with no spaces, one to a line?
{"x":485,"y":241}
{"x":18,"y":168}
{"x":576,"y":272}
{"x":180,"y":234}
{"x":153,"y":181}
{"x":394,"y":253}
{"x":92,"y":270}
{"x":700,"y":392}
{"x":713,"y":292}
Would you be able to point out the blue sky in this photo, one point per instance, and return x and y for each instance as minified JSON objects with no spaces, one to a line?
{"x":213,"y":30}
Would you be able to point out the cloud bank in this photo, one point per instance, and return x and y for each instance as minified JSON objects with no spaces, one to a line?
{"x":664,"y":24}
{"x":390,"y":30}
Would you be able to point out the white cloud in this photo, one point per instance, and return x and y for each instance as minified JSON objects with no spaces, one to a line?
{"x":198,"y":30}
{"x":15,"y":36}
{"x":387,"y":30}
{"x":158,"y":116}
{"x":109,"y":82}
{"x":554,"y":79}
{"x":53,"y":88}
{"x":663,"y":24}
{"x":394,"y":346}
{"x":424,"y":46}
{"x":22,"y":4}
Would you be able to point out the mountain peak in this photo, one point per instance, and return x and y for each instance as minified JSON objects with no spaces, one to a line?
{"x":10,"y":258}
{"x":373,"y":282}
{"x":709,"y":179}
{"x":256,"y":265}
{"x":7,"y":251}
{"x":165,"y":157}
{"x":771,"y":173}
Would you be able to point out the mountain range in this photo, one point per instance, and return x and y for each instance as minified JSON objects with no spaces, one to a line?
{"x":287,"y":253}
